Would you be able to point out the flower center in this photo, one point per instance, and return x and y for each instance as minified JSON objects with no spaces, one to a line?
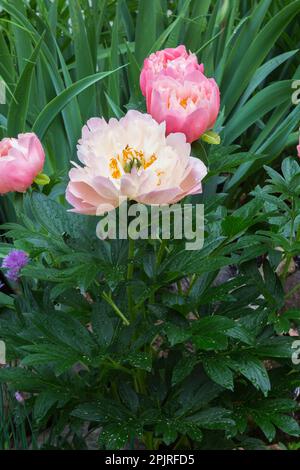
{"x":183,"y":102}
{"x":129,"y":158}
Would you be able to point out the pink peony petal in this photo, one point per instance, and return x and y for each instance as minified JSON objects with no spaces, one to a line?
{"x":135,"y":161}
{"x":21,"y":160}
{"x":178,"y":93}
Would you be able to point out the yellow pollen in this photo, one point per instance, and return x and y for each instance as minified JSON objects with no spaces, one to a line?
{"x":127,"y":153}
{"x":128,"y":159}
{"x":183,"y":102}
{"x":151,"y":160}
{"x":114,"y":169}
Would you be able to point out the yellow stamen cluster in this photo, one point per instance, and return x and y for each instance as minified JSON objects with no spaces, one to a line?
{"x":128,"y":159}
{"x":148,"y":163}
{"x":183,"y":102}
{"x":114,"y":168}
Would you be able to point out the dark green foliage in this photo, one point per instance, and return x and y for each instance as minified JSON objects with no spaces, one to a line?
{"x":187,"y":358}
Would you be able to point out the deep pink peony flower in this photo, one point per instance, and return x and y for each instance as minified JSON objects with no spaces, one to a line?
{"x":191,"y":106}
{"x":178,"y":92}
{"x":298,"y":148}
{"x":131,"y":158}
{"x":21,"y":160}
{"x":170,"y":62}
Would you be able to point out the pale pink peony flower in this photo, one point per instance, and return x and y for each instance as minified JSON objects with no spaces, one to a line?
{"x":131,"y":158}
{"x":298,"y":148}
{"x":173,"y":62}
{"x":190,"y":105}
{"x":21,"y":160}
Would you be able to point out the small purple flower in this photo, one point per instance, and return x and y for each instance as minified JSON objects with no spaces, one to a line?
{"x":14,"y":262}
{"x":19,"y":397}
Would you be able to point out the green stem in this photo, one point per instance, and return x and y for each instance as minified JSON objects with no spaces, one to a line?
{"x":110,"y":301}
{"x":192,"y":282}
{"x":130,"y":277}
{"x":148,"y":440}
{"x":118,"y":366}
{"x":289,"y":257}
{"x":179,"y":287}
{"x":161,"y":252}
{"x":181,"y":441}
{"x":152,"y":298}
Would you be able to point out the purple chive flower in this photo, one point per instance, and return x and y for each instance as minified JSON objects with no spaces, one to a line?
{"x":19,"y":397}
{"x":14,"y":262}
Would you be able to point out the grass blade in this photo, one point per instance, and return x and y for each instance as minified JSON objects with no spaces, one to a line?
{"x":53,"y":108}
{"x":16,"y":121}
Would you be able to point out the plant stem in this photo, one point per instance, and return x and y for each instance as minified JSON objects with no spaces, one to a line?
{"x":130,"y":277}
{"x":161,"y":252}
{"x":192,"y":282}
{"x":152,"y":298}
{"x":180,"y":442}
{"x":289,"y":257}
{"x":179,"y":287}
{"x":162,"y":248}
{"x":110,"y":301}
{"x":148,"y":440}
